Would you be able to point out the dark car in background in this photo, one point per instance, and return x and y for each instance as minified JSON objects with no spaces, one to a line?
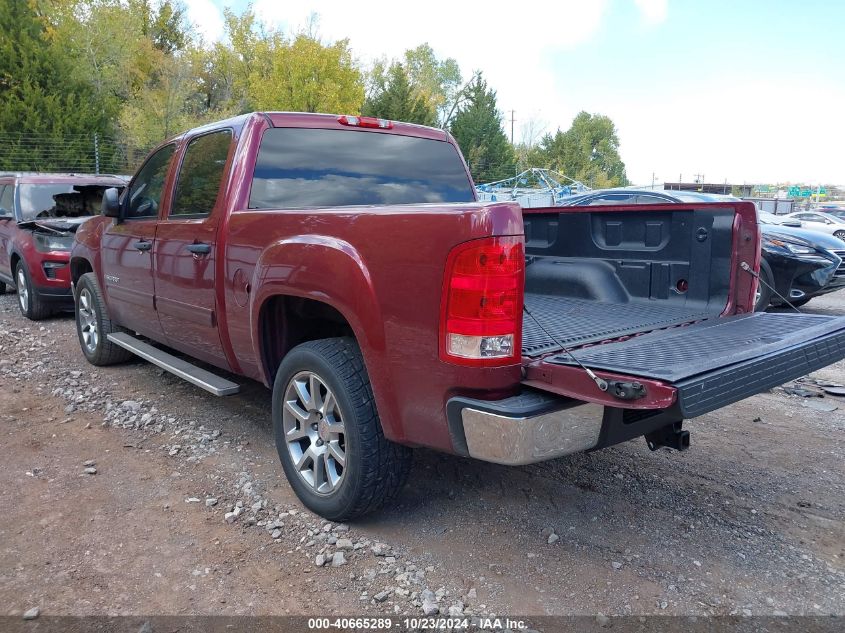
{"x":39,"y":214}
{"x":798,"y":263}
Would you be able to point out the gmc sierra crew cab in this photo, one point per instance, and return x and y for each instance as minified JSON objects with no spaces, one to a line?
{"x":345,"y":263}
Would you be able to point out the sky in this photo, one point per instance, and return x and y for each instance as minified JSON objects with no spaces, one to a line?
{"x":748,"y":91}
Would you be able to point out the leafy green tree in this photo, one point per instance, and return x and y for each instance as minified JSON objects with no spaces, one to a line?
{"x":43,"y":104}
{"x":588,"y":151}
{"x":165,"y":25}
{"x":435,"y":80}
{"x":224,"y":70}
{"x":306,"y":76}
{"x":398,"y":101}
{"x":432,"y":81}
{"x":477,"y":127}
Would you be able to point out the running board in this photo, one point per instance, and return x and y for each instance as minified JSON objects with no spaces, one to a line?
{"x":186,"y":371}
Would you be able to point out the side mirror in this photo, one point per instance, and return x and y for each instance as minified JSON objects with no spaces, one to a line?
{"x":111,"y":203}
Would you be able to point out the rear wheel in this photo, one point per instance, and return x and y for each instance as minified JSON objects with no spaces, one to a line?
{"x":328,"y":434}
{"x":93,"y":325}
{"x":764,"y":290}
{"x":31,"y":305}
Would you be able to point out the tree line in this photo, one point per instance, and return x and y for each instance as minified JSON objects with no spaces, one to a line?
{"x":136,"y":71}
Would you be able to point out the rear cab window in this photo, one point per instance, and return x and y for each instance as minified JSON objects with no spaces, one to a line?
{"x":301,"y":168}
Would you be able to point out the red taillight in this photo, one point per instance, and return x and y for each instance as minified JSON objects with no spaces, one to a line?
{"x":481,"y":315}
{"x":365,"y":121}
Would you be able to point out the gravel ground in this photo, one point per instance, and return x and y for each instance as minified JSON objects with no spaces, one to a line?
{"x":127,"y":491}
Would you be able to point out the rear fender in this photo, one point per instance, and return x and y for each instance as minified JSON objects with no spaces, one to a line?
{"x":329,"y":270}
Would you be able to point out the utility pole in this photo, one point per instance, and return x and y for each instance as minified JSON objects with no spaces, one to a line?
{"x":653,"y":179}
{"x":512,"y":120}
{"x":699,"y":179}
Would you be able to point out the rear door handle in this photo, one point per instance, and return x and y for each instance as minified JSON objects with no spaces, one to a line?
{"x":143,"y":245}
{"x":199,"y":249}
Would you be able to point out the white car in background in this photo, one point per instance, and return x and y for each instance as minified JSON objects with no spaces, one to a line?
{"x":819,"y":221}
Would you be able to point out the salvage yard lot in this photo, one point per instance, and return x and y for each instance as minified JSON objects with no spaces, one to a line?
{"x":751,"y":520}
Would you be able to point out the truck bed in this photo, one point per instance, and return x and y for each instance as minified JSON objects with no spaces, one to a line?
{"x":593,"y":274}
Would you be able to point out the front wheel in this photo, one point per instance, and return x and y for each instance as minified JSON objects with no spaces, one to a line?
{"x":328,"y":434}
{"x":839,"y":234}
{"x":800,"y":302}
{"x":32,"y":306}
{"x":764,"y":290}
{"x":93,"y":325}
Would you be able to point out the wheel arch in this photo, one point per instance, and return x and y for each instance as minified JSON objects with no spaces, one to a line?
{"x":78,"y":267}
{"x":286,"y":320}
{"x":13,"y":263}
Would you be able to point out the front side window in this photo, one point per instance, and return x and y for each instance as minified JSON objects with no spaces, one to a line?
{"x":146,"y":190}
{"x":306,"y":168}
{"x":201,"y":174}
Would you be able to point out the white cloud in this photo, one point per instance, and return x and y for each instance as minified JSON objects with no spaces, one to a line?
{"x":206,"y":17}
{"x":653,"y":12}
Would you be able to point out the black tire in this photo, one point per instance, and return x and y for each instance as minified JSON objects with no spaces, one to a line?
{"x":764,"y":292}
{"x":374,"y":469}
{"x":31,"y":305}
{"x":90,"y":309}
{"x":840,"y":235}
{"x":799,"y":302}
{"x":3,"y":288}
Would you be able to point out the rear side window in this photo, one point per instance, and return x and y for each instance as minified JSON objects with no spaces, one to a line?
{"x":306,"y":168}
{"x":201,"y":174}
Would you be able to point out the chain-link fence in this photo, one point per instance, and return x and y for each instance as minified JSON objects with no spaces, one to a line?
{"x":77,"y":153}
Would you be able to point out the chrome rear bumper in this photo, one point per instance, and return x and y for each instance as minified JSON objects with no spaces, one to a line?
{"x":526,"y":440}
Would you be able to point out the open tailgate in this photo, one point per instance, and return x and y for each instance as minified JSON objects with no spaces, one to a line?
{"x":719,"y":361}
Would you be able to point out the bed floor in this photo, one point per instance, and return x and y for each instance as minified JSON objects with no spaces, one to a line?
{"x":575,"y":322}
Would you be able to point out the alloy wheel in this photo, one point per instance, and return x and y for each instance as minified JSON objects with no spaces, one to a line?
{"x":88,"y":321}
{"x":23,"y":290}
{"x":314,"y":432}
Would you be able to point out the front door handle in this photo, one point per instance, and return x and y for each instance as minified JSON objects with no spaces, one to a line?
{"x":199,"y":249}
{"x":143,"y":245}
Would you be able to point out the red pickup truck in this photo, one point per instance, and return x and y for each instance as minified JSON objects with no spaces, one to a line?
{"x":345,"y":262}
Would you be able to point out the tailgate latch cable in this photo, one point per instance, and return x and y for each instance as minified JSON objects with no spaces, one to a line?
{"x":753,"y":273}
{"x":619,"y":389}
